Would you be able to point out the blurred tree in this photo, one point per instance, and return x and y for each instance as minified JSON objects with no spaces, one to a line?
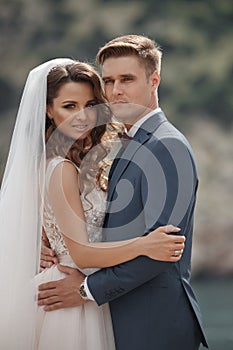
{"x":195,"y":36}
{"x":196,"y":85}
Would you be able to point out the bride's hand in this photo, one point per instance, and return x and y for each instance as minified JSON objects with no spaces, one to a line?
{"x":47,"y":255}
{"x":159,"y":245}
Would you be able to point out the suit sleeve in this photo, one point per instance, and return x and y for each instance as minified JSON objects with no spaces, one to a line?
{"x":168,"y":188}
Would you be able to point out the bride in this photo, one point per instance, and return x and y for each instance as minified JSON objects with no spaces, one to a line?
{"x":55,"y":178}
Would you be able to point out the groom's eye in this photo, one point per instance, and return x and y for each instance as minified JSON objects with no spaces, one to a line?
{"x":108,"y":81}
{"x":127,"y":78}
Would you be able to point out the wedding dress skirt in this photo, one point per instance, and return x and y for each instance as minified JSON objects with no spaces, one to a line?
{"x":86,"y":327}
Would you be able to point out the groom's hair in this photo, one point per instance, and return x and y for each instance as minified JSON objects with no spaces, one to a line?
{"x":146,"y":50}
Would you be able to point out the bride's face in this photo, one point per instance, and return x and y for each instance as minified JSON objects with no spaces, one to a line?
{"x":73,"y":110}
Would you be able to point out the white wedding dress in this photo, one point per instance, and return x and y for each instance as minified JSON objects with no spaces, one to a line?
{"x":87,"y":327}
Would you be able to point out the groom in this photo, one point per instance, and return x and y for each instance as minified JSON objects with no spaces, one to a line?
{"x":152,"y":303}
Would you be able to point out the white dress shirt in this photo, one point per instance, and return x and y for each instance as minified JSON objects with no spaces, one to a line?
{"x":131,"y":132}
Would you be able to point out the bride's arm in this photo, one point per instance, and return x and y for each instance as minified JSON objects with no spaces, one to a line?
{"x":65,"y":199}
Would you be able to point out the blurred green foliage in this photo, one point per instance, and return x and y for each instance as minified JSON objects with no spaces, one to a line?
{"x":195,"y":92}
{"x":196,"y":38}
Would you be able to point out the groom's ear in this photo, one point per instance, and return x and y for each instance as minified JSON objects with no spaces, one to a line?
{"x":155,"y":79}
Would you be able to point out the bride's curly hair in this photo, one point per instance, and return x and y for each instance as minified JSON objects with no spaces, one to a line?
{"x":75,"y":150}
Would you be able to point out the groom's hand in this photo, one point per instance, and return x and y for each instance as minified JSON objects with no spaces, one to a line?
{"x":63,"y":293}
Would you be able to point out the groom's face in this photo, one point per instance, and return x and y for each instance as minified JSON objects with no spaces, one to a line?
{"x":130,"y":92}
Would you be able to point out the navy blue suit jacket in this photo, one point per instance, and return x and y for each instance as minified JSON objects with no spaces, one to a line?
{"x":153,"y":183}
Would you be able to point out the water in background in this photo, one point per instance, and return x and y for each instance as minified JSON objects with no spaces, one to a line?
{"x":215,"y":298}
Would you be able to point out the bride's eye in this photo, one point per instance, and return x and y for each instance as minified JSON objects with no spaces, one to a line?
{"x":91,"y":105}
{"x":69,"y":106}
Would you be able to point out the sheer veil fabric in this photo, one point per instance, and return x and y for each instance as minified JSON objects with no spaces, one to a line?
{"x":21,"y":204}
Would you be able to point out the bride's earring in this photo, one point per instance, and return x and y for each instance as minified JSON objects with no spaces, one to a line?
{"x":49,"y":116}
{"x":53,"y":122}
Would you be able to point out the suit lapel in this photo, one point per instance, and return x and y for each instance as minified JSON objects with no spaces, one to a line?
{"x":142,"y":136}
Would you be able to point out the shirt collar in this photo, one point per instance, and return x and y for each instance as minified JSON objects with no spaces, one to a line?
{"x":134,"y":128}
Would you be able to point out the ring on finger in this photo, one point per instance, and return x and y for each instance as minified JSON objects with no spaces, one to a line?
{"x":176,"y":252}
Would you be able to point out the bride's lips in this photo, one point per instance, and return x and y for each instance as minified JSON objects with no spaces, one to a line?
{"x":80,"y":127}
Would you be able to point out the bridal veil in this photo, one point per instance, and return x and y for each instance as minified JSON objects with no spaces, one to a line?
{"x":21,"y":208}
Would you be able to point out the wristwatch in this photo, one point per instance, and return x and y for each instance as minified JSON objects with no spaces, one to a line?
{"x":82,"y":292}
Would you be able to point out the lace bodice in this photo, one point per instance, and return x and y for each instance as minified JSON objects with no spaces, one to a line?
{"x":94,"y":209}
